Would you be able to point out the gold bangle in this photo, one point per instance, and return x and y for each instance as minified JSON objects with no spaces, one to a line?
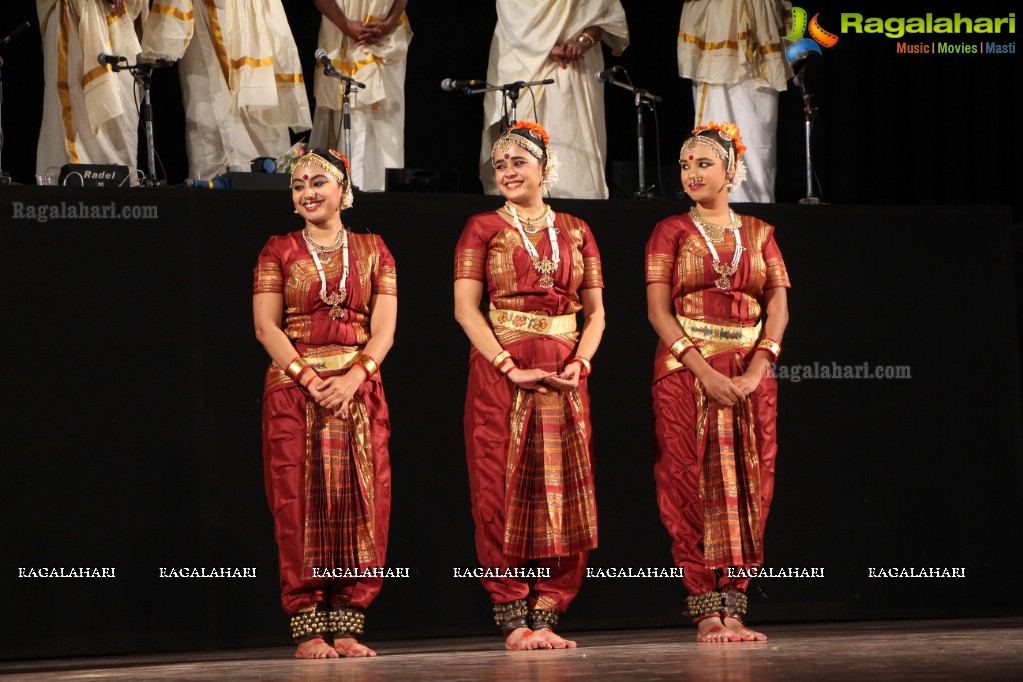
{"x":298,"y":375}
{"x":499,"y":359}
{"x":681,"y":345}
{"x":296,"y":366}
{"x":367,"y":363}
{"x":770,"y":346}
{"x":585,"y":37}
{"x":582,"y":360}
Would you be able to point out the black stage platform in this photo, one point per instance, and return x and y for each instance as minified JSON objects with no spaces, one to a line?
{"x":131,"y":430}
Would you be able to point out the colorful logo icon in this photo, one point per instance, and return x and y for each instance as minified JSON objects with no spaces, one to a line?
{"x":801,"y":47}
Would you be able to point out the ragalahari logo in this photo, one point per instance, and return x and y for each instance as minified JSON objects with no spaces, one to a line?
{"x":801,"y":47}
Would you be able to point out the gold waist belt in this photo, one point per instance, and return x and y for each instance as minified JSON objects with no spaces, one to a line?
{"x":329,"y":358}
{"x":711,"y":339}
{"x":323,"y":359}
{"x":533,"y":323}
{"x":332,"y":358}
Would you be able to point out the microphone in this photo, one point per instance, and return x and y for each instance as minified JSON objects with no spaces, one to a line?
{"x":21,"y":28}
{"x":330,"y":70}
{"x":607,"y":74}
{"x":448,"y":85}
{"x":328,"y":66}
{"x":111,"y":60}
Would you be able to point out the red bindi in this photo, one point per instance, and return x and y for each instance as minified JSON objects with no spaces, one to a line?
{"x":507,"y":156}
{"x":306,"y":176}
{"x":690,"y":157}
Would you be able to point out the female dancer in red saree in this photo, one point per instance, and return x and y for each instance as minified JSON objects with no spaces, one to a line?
{"x":712,"y":276}
{"x":527,"y":427}
{"x":325,"y":304}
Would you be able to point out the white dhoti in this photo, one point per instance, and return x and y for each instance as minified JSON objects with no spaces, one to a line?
{"x":89,"y":113}
{"x":241,"y":79}
{"x":733,"y":52}
{"x":378,"y":110}
{"x":572,"y":109}
{"x":755,"y":111}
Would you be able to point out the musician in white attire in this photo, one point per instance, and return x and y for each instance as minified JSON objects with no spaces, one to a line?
{"x":734,"y":53}
{"x":89,"y":113}
{"x":367,"y":40}
{"x":536,"y":40}
{"x":241,"y":79}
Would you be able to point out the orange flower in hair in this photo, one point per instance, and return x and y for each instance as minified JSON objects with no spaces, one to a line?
{"x":728,"y":131}
{"x":535,"y":128}
{"x":344,"y":160}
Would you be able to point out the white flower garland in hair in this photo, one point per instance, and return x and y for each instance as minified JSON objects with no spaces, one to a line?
{"x":550,"y":174}
{"x":739,"y":176}
{"x":348,"y":198}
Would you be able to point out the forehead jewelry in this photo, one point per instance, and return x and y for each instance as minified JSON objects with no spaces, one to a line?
{"x":508,"y":139}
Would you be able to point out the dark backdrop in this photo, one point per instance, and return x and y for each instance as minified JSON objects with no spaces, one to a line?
{"x":132,"y":422}
{"x":131,"y":425}
{"x":892,"y":129}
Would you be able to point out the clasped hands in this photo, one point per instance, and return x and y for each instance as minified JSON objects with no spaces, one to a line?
{"x":369,"y":32}
{"x":730,"y":390}
{"x":539,"y":380}
{"x":335,"y":393}
{"x":569,"y":52}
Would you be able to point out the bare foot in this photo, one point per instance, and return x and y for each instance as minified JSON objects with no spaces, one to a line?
{"x":554,"y":640}
{"x":713,"y":630}
{"x":735,"y":626}
{"x":523,"y":639}
{"x":314,"y":648}
{"x":349,"y":647}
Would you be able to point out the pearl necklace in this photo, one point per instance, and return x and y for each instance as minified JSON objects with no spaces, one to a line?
{"x":548,"y":266}
{"x":725,"y":271}
{"x":336,"y":298}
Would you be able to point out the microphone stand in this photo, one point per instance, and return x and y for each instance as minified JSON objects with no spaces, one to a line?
{"x":511,"y":93}
{"x":346,"y":115}
{"x":642,"y":98}
{"x":808,"y":114}
{"x":5,"y":179}
{"x":143,"y":73}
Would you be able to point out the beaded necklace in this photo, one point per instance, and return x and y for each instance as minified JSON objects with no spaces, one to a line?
{"x":548,"y":266}
{"x":716,"y":232}
{"x":336,"y":298}
{"x":528,"y":223}
{"x":724,"y":271}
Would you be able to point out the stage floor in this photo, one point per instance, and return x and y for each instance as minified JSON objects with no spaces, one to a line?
{"x":989,"y":649}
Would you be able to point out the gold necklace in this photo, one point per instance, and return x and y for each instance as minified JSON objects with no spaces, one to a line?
{"x":531,"y":225}
{"x":715,"y":233}
{"x":320,"y":248}
{"x":545,"y":267}
{"x":333,"y":298}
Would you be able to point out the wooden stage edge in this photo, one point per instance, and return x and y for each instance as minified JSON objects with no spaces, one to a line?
{"x":980,"y":649}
